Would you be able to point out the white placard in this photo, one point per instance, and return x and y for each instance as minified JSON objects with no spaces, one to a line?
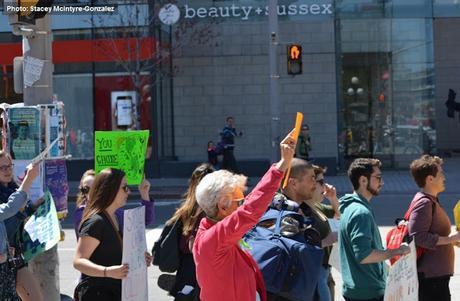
{"x":402,"y":281}
{"x":32,"y":70}
{"x":19,"y":169}
{"x":334,"y":224}
{"x":134,"y":286}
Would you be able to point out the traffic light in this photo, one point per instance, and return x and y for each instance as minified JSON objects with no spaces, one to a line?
{"x":27,"y":15}
{"x":294,"y":59}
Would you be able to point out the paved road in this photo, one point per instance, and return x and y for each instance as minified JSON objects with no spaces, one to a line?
{"x":387,"y":207}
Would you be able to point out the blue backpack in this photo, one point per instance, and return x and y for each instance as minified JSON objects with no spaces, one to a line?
{"x":290,"y":265}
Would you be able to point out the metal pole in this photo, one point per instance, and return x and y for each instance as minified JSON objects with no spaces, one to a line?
{"x":45,"y":267}
{"x":39,"y":46}
{"x":274,"y":80}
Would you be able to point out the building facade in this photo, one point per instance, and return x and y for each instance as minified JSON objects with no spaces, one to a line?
{"x":376,"y":76}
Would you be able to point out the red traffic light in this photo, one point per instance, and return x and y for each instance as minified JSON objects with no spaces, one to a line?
{"x":294,"y":59}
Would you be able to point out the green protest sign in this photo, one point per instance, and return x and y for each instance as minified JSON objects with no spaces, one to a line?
{"x":122,"y":150}
{"x":41,"y":232}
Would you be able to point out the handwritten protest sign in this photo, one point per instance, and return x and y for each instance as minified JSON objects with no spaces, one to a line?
{"x":122,"y":150}
{"x":134,"y":286}
{"x":56,"y":183}
{"x":402,"y":281}
{"x":19,"y":170}
{"x":41,"y":232}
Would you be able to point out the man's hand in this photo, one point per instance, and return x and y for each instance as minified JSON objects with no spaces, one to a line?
{"x":402,"y":250}
{"x":287,"y":147}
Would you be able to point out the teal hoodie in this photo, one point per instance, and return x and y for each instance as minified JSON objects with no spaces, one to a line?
{"x":358,"y":236}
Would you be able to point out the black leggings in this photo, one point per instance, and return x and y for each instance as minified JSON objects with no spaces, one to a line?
{"x":433,"y":288}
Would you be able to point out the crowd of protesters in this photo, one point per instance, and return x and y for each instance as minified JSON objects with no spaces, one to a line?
{"x":214,"y":217}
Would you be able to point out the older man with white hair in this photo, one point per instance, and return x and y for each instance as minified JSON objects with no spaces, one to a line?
{"x":225,"y":271}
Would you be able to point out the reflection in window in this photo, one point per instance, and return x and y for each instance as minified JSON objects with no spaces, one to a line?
{"x":76,"y":91}
{"x":387,"y":89}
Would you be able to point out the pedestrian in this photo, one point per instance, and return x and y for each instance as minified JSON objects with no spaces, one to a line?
{"x":362,"y":254}
{"x":212,"y":154}
{"x":303,"y":143}
{"x":86,"y":183}
{"x":26,"y":285}
{"x":224,"y":271}
{"x":190,"y":215}
{"x":321,"y":215}
{"x":303,"y":189}
{"x":99,"y":250}
{"x":429,"y":224}
{"x":15,"y":202}
{"x":228,"y":140}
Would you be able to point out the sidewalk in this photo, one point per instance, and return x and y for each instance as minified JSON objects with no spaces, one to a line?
{"x":395,"y":182}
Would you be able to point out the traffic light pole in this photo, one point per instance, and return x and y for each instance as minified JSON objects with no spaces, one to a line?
{"x":274,"y":81}
{"x":45,"y":267}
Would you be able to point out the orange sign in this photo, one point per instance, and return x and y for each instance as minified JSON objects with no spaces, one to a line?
{"x":298,"y":124}
{"x":294,"y":52}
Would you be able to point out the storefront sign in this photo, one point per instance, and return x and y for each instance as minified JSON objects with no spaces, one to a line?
{"x":170,"y":14}
{"x":123,"y":150}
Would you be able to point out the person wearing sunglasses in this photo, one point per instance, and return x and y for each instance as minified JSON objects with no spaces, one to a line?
{"x":224,"y":271}
{"x":82,"y":199}
{"x":99,"y":249}
{"x":320,"y":214}
{"x":16,"y":200}
{"x":26,"y":285}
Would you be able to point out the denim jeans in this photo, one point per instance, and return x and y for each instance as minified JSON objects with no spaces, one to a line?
{"x":323,"y":287}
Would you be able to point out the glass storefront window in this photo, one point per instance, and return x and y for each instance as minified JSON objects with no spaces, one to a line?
{"x":446,"y":8}
{"x":387,"y":89}
{"x":76,"y":91}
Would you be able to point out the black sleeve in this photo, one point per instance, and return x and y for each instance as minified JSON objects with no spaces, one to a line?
{"x":94,"y":227}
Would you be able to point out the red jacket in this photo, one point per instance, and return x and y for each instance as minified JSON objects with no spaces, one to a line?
{"x":225,"y":272}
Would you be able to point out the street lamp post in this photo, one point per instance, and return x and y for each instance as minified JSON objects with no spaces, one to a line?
{"x":354,"y":90}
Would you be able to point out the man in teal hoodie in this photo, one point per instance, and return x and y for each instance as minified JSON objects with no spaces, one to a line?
{"x":361,"y":251}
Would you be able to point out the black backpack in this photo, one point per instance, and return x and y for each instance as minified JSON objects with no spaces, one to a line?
{"x":165,"y":251}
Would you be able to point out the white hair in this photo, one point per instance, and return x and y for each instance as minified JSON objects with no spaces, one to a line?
{"x":215,"y":187}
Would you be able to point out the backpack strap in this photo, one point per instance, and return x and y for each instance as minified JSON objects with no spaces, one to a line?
{"x":412,"y":205}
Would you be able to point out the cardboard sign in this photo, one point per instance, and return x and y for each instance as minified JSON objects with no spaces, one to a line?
{"x":298,"y":124}
{"x":134,"y":286}
{"x":402,"y":281}
{"x":41,"y":232}
{"x":19,"y":170}
{"x":122,"y":150}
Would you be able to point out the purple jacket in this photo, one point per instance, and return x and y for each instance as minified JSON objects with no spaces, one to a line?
{"x":149,"y":215}
{"x":426,"y":226}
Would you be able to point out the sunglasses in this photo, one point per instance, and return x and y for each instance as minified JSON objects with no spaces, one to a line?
{"x":125,"y":188}
{"x":321,"y":182}
{"x":84,"y":189}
